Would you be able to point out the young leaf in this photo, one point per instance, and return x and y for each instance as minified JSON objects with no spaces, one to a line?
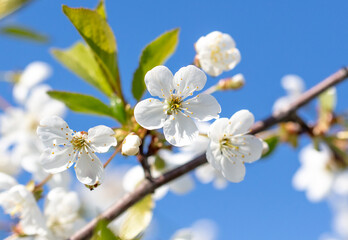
{"x":24,"y":33}
{"x":101,"y":9}
{"x":102,"y":232}
{"x":84,"y":103}
{"x":81,"y":61}
{"x":137,"y":218}
{"x":9,"y":6}
{"x":272,"y":144}
{"x":98,"y":35}
{"x":154,"y":54}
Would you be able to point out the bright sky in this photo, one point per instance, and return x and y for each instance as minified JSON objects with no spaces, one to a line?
{"x":308,"y":38}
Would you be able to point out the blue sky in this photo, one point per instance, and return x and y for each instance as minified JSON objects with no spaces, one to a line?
{"x":278,"y":37}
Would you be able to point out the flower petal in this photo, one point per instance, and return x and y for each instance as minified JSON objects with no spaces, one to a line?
{"x":159,"y":82}
{"x":182,"y":185}
{"x":203,"y":107}
{"x":149,"y":113}
{"x":218,"y":129}
{"x":214,"y":155}
{"x":233,"y":171}
{"x":57,"y":159}
{"x":241,"y":122}
{"x":189,"y":79}
{"x":54,"y":131}
{"x":251,"y":147}
{"x":180,"y":130}
{"x":89,"y":169}
{"x":101,"y":138}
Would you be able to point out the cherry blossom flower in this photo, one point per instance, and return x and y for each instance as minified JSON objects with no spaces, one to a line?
{"x":64,"y":148}
{"x":33,"y":74}
{"x":173,"y":112}
{"x":217,"y":52}
{"x":61,"y":212}
{"x":230,"y":146}
{"x":314,"y":175}
{"x":294,"y":86}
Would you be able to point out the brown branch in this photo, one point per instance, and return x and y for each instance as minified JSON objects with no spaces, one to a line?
{"x":148,"y":187}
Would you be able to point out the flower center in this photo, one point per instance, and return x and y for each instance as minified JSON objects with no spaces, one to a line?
{"x":79,"y":140}
{"x":174,"y":105}
{"x":231,"y":148}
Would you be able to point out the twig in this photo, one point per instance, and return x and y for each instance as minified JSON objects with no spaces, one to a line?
{"x":43,"y":182}
{"x":147,"y":187}
{"x":4,"y":104}
{"x":304,"y":126}
{"x":113,"y":155}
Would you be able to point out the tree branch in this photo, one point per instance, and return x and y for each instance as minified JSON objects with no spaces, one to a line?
{"x":148,"y":187}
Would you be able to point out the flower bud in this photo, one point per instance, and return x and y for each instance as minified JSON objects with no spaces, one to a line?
{"x":265,"y":147}
{"x":235,"y":82}
{"x":130,"y":145}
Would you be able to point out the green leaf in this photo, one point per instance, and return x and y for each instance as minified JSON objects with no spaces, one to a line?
{"x":154,"y":54}
{"x":9,"y":6}
{"x":81,"y":61}
{"x":101,"y":9}
{"x":328,"y":99}
{"x":83,"y":103}
{"x":137,"y":218}
{"x":118,"y":109}
{"x":24,"y":33}
{"x":98,"y":35}
{"x":272,"y":144}
{"x":102,"y":232}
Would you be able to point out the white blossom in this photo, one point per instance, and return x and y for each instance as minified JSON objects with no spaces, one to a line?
{"x":230,"y":146}
{"x":62,"y":213}
{"x":294,"y":86}
{"x":33,"y":74}
{"x":130,"y":145}
{"x":64,"y":148}
{"x":173,"y":112}
{"x":203,"y":229}
{"x":314,"y":175}
{"x":217,"y":52}
{"x":18,"y":201}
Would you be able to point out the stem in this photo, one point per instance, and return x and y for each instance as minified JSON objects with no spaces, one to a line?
{"x":113,"y":155}
{"x":148,"y":187}
{"x":43,"y":182}
{"x":210,"y":90}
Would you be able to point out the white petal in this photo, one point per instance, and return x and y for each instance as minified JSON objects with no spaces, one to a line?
{"x":34,"y":73}
{"x":203,"y":107}
{"x":189,"y":79}
{"x":20,"y":93}
{"x":241,"y":122}
{"x":251,"y":149}
{"x":6,"y":181}
{"x":182,"y":185}
{"x":205,"y":173}
{"x":214,"y":155}
{"x":101,"y":138}
{"x":53,"y":131}
{"x":234,"y":172}
{"x":57,"y":159}
{"x":89,"y":169}
{"x":159,"y":81}
{"x":180,"y":130}
{"x":149,"y":113}
{"x":132,"y":178}
{"x":218,"y":129}
{"x":293,"y":84}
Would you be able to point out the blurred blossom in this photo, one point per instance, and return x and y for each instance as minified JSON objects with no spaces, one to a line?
{"x":294,"y":87}
{"x":314,"y":175}
{"x":204,"y":229}
{"x":33,"y":74}
{"x":216,"y":53}
{"x":130,"y":145}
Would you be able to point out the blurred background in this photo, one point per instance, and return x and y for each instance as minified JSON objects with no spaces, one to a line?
{"x":275,"y":38}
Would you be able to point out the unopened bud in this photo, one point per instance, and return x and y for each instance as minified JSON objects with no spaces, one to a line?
{"x":235,"y":82}
{"x":130,"y":145}
{"x":265,"y":147}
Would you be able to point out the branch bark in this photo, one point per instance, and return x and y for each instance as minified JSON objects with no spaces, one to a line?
{"x":148,"y":187}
